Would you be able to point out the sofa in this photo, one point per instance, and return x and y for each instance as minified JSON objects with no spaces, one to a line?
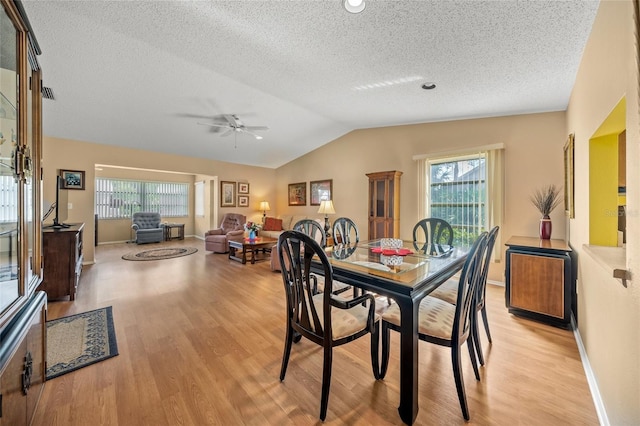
{"x":147,"y":227}
{"x":274,"y":226}
{"x":231,"y":228}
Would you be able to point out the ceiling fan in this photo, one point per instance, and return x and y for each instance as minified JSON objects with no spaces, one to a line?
{"x":235,"y":125}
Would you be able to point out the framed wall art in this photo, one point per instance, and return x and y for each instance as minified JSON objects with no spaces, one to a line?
{"x":320,"y":190}
{"x":72,"y":179}
{"x":227,"y":194}
{"x":243,"y":200}
{"x":569,"y":182}
{"x":243,"y":188}
{"x":298,"y":194}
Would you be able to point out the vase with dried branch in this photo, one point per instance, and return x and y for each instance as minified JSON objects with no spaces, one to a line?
{"x":546,"y":200}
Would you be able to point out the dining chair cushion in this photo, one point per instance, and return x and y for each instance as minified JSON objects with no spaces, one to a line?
{"x":447,"y":291}
{"x":344,"y":322}
{"x":338,"y":286}
{"x":435,"y":317}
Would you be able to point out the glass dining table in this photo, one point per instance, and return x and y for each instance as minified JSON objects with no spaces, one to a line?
{"x":406,"y":273}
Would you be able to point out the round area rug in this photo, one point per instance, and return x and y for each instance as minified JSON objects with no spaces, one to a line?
{"x":161,"y":253}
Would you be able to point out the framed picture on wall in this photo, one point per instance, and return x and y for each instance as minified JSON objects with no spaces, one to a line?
{"x":243,"y":201}
{"x":72,"y":179}
{"x":298,"y":194}
{"x":320,"y":190}
{"x":569,"y":182}
{"x":227,"y":194}
{"x":243,"y":188}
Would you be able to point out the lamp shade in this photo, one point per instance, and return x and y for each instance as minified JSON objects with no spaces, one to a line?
{"x":264,"y":206}
{"x":326,"y":207}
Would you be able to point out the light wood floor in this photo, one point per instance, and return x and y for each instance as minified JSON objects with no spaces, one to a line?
{"x":201,"y":337}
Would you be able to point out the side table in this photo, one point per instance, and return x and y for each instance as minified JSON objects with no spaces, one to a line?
{"x":168,"y":234}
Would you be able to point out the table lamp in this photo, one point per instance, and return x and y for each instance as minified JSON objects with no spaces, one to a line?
{"x":264,"y":206}
{"x":326,"y":208}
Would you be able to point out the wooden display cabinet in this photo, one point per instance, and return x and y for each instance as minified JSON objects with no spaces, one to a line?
{"x":384,"y":204}
{"x":22,"y":308}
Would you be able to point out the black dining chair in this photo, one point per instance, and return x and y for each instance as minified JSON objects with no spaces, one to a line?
{"x":449,"y":293}
{"x":345,"y":231}
{"x":313,"y":229}
{"x":432,"y":231}
{"x":444,"y":324}
{"x":321,"y":317}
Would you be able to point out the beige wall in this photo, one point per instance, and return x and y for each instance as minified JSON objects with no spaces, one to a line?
{"x":608,"y":313}
{"x":533,"y":158}
{"x":74,"y":155}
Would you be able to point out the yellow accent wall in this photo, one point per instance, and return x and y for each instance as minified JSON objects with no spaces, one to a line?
{"x":603,"y":188}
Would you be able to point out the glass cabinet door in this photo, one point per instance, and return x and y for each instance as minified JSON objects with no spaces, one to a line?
{"x":31,"y":196}
{"x":9,"y":186}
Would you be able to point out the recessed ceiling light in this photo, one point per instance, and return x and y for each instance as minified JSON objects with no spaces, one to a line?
{"x":354,"y":6}
{"x":429,"y":86}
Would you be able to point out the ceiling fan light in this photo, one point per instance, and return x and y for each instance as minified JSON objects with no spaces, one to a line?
{"x":258,"y":137}
{"x":354,"y":6}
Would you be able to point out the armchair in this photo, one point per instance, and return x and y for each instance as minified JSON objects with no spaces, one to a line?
{"x":147,"y":227}
{"x":231,"y":228}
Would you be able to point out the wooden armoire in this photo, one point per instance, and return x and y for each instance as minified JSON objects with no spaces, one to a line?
{"x":384,"y":204}
{"x":22,"y":308}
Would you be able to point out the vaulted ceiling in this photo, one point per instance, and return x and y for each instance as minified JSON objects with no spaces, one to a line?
{"x":143,"y":74}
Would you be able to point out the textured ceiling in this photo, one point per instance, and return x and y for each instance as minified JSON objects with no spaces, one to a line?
{"x":139,"y":73}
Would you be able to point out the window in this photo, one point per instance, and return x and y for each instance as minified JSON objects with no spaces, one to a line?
{"x":457,"y":193}
{"x":465,"y":188}
{"x":9,"y":200}
{"x":199,"y":195}
{"x":119,"y":198}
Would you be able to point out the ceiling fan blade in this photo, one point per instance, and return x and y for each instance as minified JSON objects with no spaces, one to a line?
{"x":256,"y":128}
{"x":231,"y":119}
{"x":194,"y":115}
{"x":224,"y":126}
{"x":227,"y":133}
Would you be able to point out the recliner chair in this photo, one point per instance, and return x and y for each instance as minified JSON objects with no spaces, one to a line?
{"x":147,"y":227}
{"x":231,"y":228}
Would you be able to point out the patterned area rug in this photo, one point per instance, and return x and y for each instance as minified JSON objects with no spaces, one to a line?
{"x":79,"y":340}
{"x":161,"y":253}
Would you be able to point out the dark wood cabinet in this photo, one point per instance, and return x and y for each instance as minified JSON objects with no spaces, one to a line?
{"x":384,"y":204}
{"x":62,"y":250}
{"x":23,"y":356}
{"x":540,"y":280}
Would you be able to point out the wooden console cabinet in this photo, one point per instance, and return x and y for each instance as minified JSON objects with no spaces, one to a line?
{"x":540,"y":280}
{"x":62,"y":250}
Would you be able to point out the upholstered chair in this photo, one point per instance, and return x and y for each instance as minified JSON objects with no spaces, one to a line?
{"x":231,"y":228}
{"x":147,"y":227}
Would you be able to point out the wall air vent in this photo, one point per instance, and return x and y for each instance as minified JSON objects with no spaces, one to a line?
{"x":47,"y":93}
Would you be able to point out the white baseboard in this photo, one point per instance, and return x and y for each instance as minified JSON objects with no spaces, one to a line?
{"x":494,"y":282}
{"x":114,"y":242}
{"x":591,"y":378}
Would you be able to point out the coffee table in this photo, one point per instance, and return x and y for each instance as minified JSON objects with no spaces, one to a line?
{"x":259,"y":245}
